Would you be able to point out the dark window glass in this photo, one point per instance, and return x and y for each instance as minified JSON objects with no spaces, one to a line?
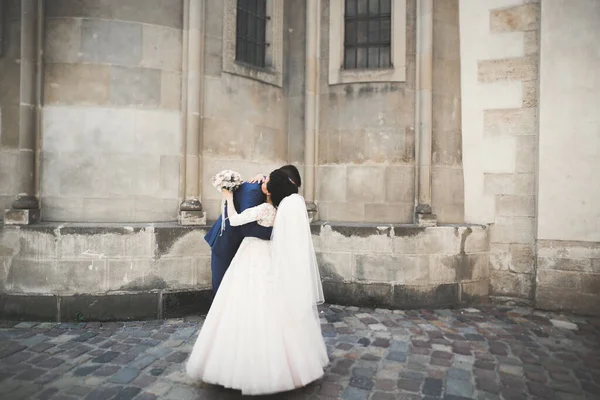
{"x":251,"y":42}
{"x":367,"y":38}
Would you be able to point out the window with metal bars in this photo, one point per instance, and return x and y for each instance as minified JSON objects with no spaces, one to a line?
{"x":367,"y":34}
{"x":251,"y":37}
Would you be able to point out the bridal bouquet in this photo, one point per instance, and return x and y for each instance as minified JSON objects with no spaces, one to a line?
{"x":229,"y":180}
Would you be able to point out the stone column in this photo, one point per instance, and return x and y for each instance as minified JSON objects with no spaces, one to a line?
{"x":192,"y":110}
{"x":25,"y":209}
{"x":423,"y":112}
{"x":311,"y":105}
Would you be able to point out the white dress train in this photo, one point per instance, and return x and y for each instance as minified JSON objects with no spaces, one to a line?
{"x":252,"y":339}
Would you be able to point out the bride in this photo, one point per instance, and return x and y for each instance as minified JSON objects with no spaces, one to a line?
{"x":262,"y":334}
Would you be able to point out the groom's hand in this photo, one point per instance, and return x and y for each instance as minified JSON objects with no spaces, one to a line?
{"x":260,"y":178}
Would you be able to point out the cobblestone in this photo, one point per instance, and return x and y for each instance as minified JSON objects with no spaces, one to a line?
{"x":480,"y":353}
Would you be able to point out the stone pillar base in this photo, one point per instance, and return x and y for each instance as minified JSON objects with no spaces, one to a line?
{"x":21,"y":217}
{"x":313,"y":211}
{"x":192,"y":218}
{"x":426,"y":220}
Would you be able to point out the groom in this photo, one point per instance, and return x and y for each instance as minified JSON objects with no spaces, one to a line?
{"x":225,"y":244}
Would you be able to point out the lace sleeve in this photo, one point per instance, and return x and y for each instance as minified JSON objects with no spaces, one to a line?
{"x":249,"y":215}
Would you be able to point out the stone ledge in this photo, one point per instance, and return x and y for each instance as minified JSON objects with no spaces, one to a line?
{"x":109,"y":307}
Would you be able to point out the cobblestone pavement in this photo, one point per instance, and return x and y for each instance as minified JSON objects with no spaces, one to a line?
{"x":483,"y":353}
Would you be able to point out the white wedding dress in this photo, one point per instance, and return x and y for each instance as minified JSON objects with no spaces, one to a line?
{"x":262,"y":334}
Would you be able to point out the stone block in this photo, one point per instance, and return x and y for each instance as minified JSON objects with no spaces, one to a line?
{"x":154,"y":12}
{"x":214,"y":25}
{"x":113,"y":307}
{"x":512,"y":121}
{"x":111,"y":42}
{"x":109,"y":130}
{"x":135,"y":87}
{"x":509,"y":184}
{"x":9,"y":119}
{"x":62,"y":40}
{"x":19,"y":307}
{"x":513,"y":230}
{"x":566,"y":264}
{"x":475,"y":291}
{"x":446,"y":38}
{"x":567,"y":300}
{"x":459,"y":267}
{"x":21,"y":217}
{"x":108,"y":209}
{"x":515,"y":206}
{"x":425,"y":296}
{"x":354,"y":237}
{"x":522,"y":258}
{"x":342,"y":146}
{"x":170,"y":94}
{"x":9,"y":162}
{"x":83,"y":276}
{"x":132,"y":274}
{"x":387,"y":145}
{"x":391,"y":268}
{"x":509,"y":69}
{"x":162,"y":48}
{"x":55,"y":208}
{"x":103,"y":243}
{"x":83,"y":84}
{"x":568,"y":249}
{"x":559,"y":279}
{"x":10,"y":88}
{"x":332,"y":182}
{"x":505,"y":283}
{"x":203,"y":271}
{"x":185,"y":303}
{"x":389,"y":213}
{"x":152,"y":209}
{"x":335,"y":266}
{"x":532,"y":43}
{"x":177,"y":272}
{"x":34,"y":276}
{"x":181,"y":242}
{"x":399,"y":183}
{"x":475,"y":240}
{"x":432,"y":240}
{"x":590,"y":283}
{"x":530,"y":94}
{"x":365,"y":184}
{"x":64,"y":131}
{"x":192,"y":218}
{"x":526,"y":156}
{"x":524,"y":17}
{"x":158,"y":132}
{"x":344,"y":212}
{"x":447,"y":194}
{"x":354,"y":294}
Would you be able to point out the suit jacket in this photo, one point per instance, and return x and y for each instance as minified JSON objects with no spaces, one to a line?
{"x":246,"y":196}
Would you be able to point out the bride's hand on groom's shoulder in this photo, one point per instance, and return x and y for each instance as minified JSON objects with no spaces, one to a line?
{"x":260,"y":178}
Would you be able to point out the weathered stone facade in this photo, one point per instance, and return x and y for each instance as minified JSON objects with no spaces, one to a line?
{"x":115,"y":114}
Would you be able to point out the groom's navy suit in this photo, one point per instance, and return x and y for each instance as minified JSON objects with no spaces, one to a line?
{"x":224,"y":245}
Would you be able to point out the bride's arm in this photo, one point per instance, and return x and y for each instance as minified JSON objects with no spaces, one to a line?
{"x":249,"y":215}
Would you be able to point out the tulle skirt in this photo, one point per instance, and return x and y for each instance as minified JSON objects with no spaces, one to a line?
{"x":248,"y":341}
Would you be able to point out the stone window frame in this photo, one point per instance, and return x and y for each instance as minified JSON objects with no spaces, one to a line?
{"x":339,"y":75}
{"x":273,"y":72}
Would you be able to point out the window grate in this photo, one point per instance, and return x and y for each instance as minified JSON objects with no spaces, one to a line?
{"x":367,"y":34}
{"x":251,"y":26}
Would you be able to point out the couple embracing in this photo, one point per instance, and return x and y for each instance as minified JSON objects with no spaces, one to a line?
{"x":262,"y":334}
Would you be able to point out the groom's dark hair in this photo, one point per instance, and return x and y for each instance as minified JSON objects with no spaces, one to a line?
{"x":280,"y":186}
{"x":292,"y":173}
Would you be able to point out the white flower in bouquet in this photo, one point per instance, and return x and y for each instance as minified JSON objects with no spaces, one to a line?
{"x":229,"y":180}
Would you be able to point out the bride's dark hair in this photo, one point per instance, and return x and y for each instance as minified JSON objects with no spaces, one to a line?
{"x":280,"y":186}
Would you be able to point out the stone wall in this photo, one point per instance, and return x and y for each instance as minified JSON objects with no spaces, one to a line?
{"x":447,"y":192}
{"x":111,"y":265}
{"x":10,"y":157}
{"x":499,"y":62}
{"x":402,"y":266}
{"x":366,"y":141}
{"x":111,"y":119}
{"x":245,"y":119}
{"x":568,"y":276}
